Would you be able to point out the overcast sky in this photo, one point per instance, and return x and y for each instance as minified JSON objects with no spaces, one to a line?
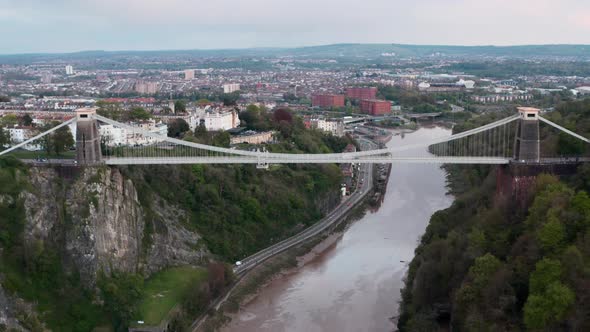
{"x":74,"y":25}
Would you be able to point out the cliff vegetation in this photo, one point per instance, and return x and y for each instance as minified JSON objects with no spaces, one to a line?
{"x":492,"y":264}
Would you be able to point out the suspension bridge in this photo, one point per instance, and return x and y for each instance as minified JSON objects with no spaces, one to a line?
{"x":515,"y":139}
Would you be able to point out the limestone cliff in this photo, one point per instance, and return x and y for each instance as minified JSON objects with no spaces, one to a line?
{"x":95,"y":217}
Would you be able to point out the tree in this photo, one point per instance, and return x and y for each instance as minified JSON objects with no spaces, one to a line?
{"x":222,"y":139}
{"x":255,"y":118}
{"x":570,"y":146}
{"x":230,"y":99}
{"x":477,"y":240}
{"x":179,"y":106}
{"x":252,"y":108}
{"x":536,"y":312}
{"x":290,"y":97}
{"x":581,"y":203}
{"x":177,"y":128}
{"x":121,"y":292}
{"x":177,"y":323}
{"x":551,"y":235}
{"x":216,"y":275}
{"x":47,"y":144}
{"x":201,"y":132}
{"x":4,"y":99}
{"x":47,"y":140}
{"x":109,"y":110}
{"x":483,"y":269}
{"x":27,"y":120}
{"x":544,"y":309}
{"x":138,"y":113}
{"x":282,"y":114}
{"x":286,"y":129}
{"x":546,"y":271}
{"x":4,"y":138}
{"x":9,"y":120}
{"x":62,"y":140}
{"x":425,"y":108}
{"x":197,"y":298}
{"x":250,"y":117}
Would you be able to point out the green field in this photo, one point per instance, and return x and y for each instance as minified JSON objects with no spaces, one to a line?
{"x":165,"y":289}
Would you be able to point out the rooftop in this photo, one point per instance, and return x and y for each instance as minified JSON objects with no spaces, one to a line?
{"x":528,"y":109}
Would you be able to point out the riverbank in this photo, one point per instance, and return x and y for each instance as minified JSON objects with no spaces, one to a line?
{"x":353,"y":282}
{"x":282,"y":265}
{"x":328,"y":223}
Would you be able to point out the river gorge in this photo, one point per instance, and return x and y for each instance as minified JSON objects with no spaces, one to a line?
{"x":354,"y":285}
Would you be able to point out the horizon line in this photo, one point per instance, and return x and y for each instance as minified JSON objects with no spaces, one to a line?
{"x":279,"y":48}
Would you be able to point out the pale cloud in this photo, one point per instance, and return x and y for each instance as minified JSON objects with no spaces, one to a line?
{"x":55,"y":25}
{"x":8,"y":14}
{"x":582,"y":20}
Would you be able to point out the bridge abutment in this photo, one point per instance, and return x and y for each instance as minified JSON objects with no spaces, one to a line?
{"x":516,"y":180}
{"x":87,"y":137}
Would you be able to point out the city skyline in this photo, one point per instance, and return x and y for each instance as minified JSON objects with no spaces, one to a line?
{"x":68,"y":26}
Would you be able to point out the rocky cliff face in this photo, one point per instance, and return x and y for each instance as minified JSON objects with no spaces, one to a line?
{"x":95,"y":217}
{"x":8,"y":312}
{"x":329,"y":201}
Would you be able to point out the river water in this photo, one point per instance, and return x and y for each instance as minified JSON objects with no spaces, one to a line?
{"x":355,"y":284}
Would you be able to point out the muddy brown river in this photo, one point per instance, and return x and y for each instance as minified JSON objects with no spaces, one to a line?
{"x":355,"y":284}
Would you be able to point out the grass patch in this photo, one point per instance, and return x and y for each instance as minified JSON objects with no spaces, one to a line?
{"x":166,"y":289}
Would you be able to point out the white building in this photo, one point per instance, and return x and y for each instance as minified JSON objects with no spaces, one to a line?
{"x":214,"y":119}
{"x":189,"y":74}
{"x":229,"y":88}
{"x":469,"y":84}
{"x":423,"y":86}
{"x":497,"y":98}
{"x":69,"y":70}
{"x":19,"y":134}
{"x":115,"y":136}
{"x":335,"y":127}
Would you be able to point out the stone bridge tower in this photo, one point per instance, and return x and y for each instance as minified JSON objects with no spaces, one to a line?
{"x":527,"y":145}
{"x":87,"y":137}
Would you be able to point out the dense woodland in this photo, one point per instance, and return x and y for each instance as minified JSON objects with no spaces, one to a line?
{"x":489,"y":263}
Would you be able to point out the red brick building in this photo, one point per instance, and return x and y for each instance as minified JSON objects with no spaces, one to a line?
{"x":375,"y":107}
{"x":327,"y":100}
{"x":361,"y":93}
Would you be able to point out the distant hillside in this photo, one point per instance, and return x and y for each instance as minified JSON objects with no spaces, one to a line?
{"x":429,"y":50}
{"x":335,"y":50}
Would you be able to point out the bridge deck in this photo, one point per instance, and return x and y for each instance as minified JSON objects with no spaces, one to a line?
{"x":368,"y":160}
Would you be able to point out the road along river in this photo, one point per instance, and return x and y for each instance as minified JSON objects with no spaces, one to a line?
{"x":354,"y":285}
